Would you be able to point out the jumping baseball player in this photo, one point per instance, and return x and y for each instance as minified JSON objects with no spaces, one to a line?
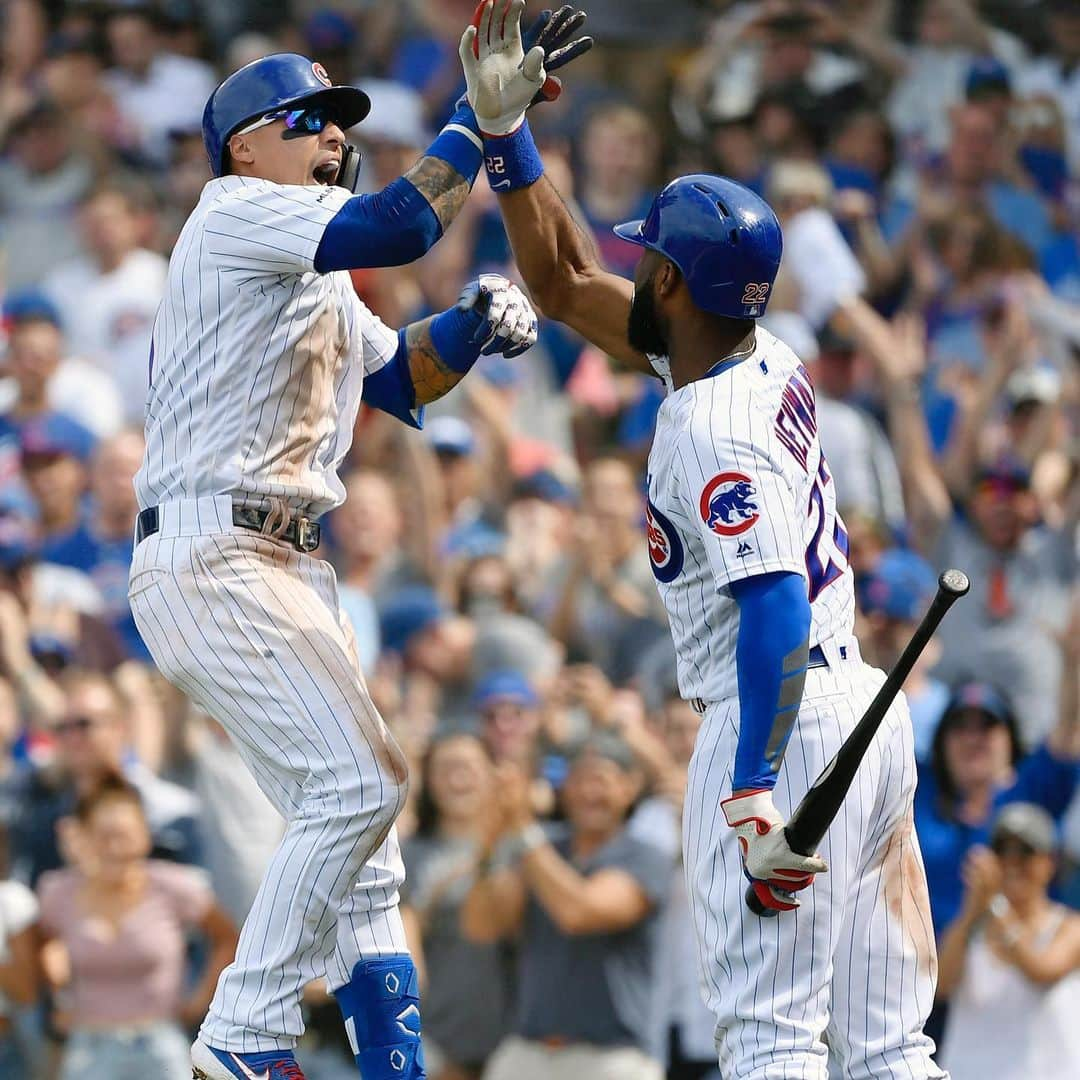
{"x":261,"y":356}
{"x":750,"y":557}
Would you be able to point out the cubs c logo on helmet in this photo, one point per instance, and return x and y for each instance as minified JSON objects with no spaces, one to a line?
{"x":665,"y":547}
{"x":320,"y":74}
{"x":727,"y":506}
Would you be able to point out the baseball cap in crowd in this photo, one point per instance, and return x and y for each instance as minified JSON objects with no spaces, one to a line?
{"x":547,"y":486}
{"x":450,"y":435}
{"x":397,"y":114}
{"x":30,"y":305}
{"x":18,"y":539}
{"x":1005,"y":474}
{"x":900,"y":586}
{"x":504,"y":685}
{"x":409,"y":612}
{"x":1027,"y":823}
{"x":977,"y":697}
{"x":1033,"y":386}
{"x":54,"y":434}
{"x":329,"y":31}
{"x":987,"y":75}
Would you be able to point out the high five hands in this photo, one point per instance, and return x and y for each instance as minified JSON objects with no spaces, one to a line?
{"x":506,"y":72}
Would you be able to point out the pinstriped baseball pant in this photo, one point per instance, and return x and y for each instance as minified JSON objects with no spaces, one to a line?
{"x":851,"y":973}
{"x":252,"y":631}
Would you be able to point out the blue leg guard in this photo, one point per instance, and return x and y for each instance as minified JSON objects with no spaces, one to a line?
{"x":381,"y":1008}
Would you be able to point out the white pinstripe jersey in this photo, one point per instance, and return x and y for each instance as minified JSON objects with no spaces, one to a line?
{"x":738,"y":487}
{"x":257,"y":361}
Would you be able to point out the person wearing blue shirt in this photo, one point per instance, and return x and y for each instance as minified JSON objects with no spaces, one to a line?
{"x":975,"y":768}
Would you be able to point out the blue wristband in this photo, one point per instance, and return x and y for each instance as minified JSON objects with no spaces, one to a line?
{"x":512,"y":160}
{"x":459,"y":143}
{"x":452,"y":335}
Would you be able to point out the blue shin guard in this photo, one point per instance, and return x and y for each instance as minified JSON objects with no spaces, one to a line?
{"x":381,"y":1008}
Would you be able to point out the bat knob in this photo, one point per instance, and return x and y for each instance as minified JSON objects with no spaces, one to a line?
{"x":954,"y":582}
{"x":757,"y":907}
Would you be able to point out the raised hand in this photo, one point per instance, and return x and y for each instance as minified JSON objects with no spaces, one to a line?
{"x":501,"y":78}
{"x":552,"y":32}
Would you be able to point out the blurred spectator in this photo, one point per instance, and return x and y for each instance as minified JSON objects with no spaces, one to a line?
{"x":583,"y":903}
{"x":43,"y":176}
{"x":1010,"y":962}
{"x":619,"y":155}
{"x":115,"y":926}
{"x":100,"y":543}
{"x":92,"y":743}
{"x":108,"y":297}
{"x":892,"y":600}
{"x":468,"y":987}
{"x":987,"y":521}
{"x":975,"y":768}
{"x":603,"y":597}
{"x":454,"y":652}
{"x":44,"y":378}
{"x":54,"y":454}
{"x":1058,"y":74}
{"x":19,"y":974}
{"x":949,"y":36}
{"x":157,"y":90}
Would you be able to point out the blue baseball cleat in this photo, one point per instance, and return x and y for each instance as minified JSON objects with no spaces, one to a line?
{"x":210,"y":1064}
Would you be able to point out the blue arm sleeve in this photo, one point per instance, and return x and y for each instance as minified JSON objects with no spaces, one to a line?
{"x":390,"y":389}
{"x":770,"y":657}
{"x":397,"y":225}
{"x":393,"y":227}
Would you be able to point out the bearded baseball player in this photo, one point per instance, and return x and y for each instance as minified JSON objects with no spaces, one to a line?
{"x":750,"y":557}
{"x":261,"y":356}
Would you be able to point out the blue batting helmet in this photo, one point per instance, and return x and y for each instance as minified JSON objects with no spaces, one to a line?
{"x":723,"y":238}
{"x":270,"y":83}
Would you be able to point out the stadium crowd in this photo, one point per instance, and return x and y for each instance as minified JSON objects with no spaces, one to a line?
{"x":924,"y":159}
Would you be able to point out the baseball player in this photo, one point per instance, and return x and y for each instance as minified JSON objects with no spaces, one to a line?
{"x":750,"y":557}
{"x":261,"y":356}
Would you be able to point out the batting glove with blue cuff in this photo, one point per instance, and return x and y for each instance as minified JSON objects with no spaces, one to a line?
{"x":507,"y":322}
{"x":775,"y":871}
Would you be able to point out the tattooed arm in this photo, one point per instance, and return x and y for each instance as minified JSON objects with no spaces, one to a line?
{"x":434,"y":355}
{"x":431,"y":376}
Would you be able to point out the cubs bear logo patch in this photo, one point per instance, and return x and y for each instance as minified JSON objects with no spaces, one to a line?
{"x":727,"y":505}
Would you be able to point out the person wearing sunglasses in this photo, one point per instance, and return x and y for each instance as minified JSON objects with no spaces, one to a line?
{"x":1010,"y":961}
{"x":261,"y":356}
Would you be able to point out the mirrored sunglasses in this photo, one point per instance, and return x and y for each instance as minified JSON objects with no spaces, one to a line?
{"x":309,"y":121}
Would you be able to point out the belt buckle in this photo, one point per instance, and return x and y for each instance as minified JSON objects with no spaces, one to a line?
{"x":308,"y":534}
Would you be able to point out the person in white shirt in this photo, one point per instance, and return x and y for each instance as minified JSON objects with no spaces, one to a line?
{"x":108,"y":297}
{"x":156,"y":90}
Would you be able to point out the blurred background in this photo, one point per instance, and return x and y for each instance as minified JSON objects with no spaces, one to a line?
{"x":924,"y":159}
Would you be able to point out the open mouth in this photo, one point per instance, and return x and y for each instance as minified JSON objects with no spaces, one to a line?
{"x":326,"y":173}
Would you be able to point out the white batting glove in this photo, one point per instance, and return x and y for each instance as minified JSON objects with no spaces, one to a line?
{"x":509,"y":324}
{"x":775,"y":871}
{"x":501,"y":80}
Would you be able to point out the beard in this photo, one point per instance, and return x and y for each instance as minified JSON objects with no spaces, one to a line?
{"x":644,"y":330}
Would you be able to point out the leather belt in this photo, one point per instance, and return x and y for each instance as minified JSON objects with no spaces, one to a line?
{"x":303,"y":533}
{"x":816,"y":659}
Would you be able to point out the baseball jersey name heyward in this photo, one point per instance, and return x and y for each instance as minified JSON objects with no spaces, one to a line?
{"x":738,"y":486}
{"x":257,"y":361}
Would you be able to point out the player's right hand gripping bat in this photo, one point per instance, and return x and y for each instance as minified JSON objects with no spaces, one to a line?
{"x":820,"y":804}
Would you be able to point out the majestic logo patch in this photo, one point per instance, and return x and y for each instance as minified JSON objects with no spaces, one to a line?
{"x":726,"y":504}
{"x":320,"y":74}
{"x":665,"y":547}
